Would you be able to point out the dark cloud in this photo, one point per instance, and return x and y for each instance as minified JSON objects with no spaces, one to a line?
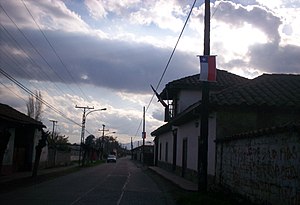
{"x":119,"y":65}
{"x":273,"y":58}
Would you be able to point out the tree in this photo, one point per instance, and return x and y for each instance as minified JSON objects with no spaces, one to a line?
{"x":89,"y":148}
{"x":35,"y":106}
{"x":38,"y":150}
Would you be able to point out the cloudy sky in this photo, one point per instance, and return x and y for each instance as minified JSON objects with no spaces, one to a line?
{"x":105,"y":54}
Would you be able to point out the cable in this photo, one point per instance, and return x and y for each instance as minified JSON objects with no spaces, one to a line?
{"x":35,"y":49}
{"x":14,"y":92}
{"x":56,"y":54}
{"x":168,"y":63}
{"x":27,"y":90}
{"x":32,"y":61}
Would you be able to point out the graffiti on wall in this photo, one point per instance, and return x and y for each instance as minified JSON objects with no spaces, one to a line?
{"x":265,"y":168}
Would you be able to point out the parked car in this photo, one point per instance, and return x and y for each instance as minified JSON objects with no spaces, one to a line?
{"x":111,"y":158}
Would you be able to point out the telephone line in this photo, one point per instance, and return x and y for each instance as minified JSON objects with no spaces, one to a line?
{"x":55,"y":52}
{"x":35,"y":49}
{"x":168,"y":63}
{"x":32,"y":61}
{"x":27,"y":90}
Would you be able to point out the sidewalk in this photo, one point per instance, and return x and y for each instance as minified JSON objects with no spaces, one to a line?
{"x":23,"y":175}
{"x":181,"y":182}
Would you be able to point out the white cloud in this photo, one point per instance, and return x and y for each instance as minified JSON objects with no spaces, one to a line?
{"x":96,"y":9}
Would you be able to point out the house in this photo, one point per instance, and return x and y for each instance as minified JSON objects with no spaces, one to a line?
{"x":237,"y":105}
{"x":19,"y":136}
{"x":176,"y":141}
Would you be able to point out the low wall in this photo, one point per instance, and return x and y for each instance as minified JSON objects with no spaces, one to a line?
{"x":264,"y":167}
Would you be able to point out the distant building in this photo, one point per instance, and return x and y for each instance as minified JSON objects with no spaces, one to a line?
{"x":19,"y":135}
{"x":137,"y":154}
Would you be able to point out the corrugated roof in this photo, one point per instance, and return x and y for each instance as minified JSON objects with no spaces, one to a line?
{"x":225,"y":79}
{"x":8,"y":114}
{"x":266,"y":90}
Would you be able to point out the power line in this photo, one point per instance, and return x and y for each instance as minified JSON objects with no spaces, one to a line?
{"x":35,"y":49}
{"x":12,"y":39}
{"x":168,"y":63}
{"x":13,"y":92}
{"x":55,"y":52}
{"x":27,"y":90}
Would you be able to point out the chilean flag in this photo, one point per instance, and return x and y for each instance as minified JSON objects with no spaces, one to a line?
{"x":208,"y":68}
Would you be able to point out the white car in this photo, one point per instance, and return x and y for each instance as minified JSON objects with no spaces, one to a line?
{"x":111,"y":158}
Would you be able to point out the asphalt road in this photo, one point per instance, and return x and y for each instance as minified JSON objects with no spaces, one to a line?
{"x":121,"y":183}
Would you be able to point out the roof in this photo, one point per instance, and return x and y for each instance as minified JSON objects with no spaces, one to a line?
{"x":225,"y":79}
{"x":9,"y":114}
{"x":272,"y":90}
{"x":288,"y":127}
{"x":268,"y":90}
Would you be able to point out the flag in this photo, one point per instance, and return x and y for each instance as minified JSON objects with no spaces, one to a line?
{"x":208,"y":68}
{"x":159,"y":98}
{"x":144,"y":135}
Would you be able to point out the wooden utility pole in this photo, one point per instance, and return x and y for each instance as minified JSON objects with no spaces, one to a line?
{"x":204,"y":107}
{"x":53,"y":122}
{"x":82,"y":128}
{"x":144,"y":134}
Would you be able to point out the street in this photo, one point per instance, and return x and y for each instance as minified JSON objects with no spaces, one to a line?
{"x":118,"y":183}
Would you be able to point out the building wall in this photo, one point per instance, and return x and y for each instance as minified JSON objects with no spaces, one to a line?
{"x":191,"y":131}
{"x":187,"y":98}
{"x":265,"y":169}
{"x":163,"y":139}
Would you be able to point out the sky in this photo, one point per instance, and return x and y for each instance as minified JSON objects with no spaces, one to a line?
{"x":106,"y":54}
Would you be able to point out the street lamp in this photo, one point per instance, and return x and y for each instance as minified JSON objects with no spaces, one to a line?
{"x":83,"y":125}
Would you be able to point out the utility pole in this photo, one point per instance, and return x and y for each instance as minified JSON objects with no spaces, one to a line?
{"x":53,"y":122}
{"x":203,"y":138}
{"x":82,"y":127}
{"x":144,"y":134}
{"x":131,"y":148}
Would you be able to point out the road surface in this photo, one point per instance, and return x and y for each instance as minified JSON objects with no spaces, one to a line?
{"x":121,"y":183}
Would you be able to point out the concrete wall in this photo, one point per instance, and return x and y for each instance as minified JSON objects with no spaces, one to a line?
{"x":187,"y":98}
{"x":265,"y":169}
{"x":163,"y":139}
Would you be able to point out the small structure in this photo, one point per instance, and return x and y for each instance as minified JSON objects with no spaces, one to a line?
{"x":137,"y":154}
{"x":19,"y":135}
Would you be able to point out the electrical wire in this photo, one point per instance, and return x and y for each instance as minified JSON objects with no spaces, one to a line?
{"x":12,"y":39}
{"x":54,"y":51}
{"x":35,"y":49}
{"x":27,"y":90}
{"x":167,"y":65}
